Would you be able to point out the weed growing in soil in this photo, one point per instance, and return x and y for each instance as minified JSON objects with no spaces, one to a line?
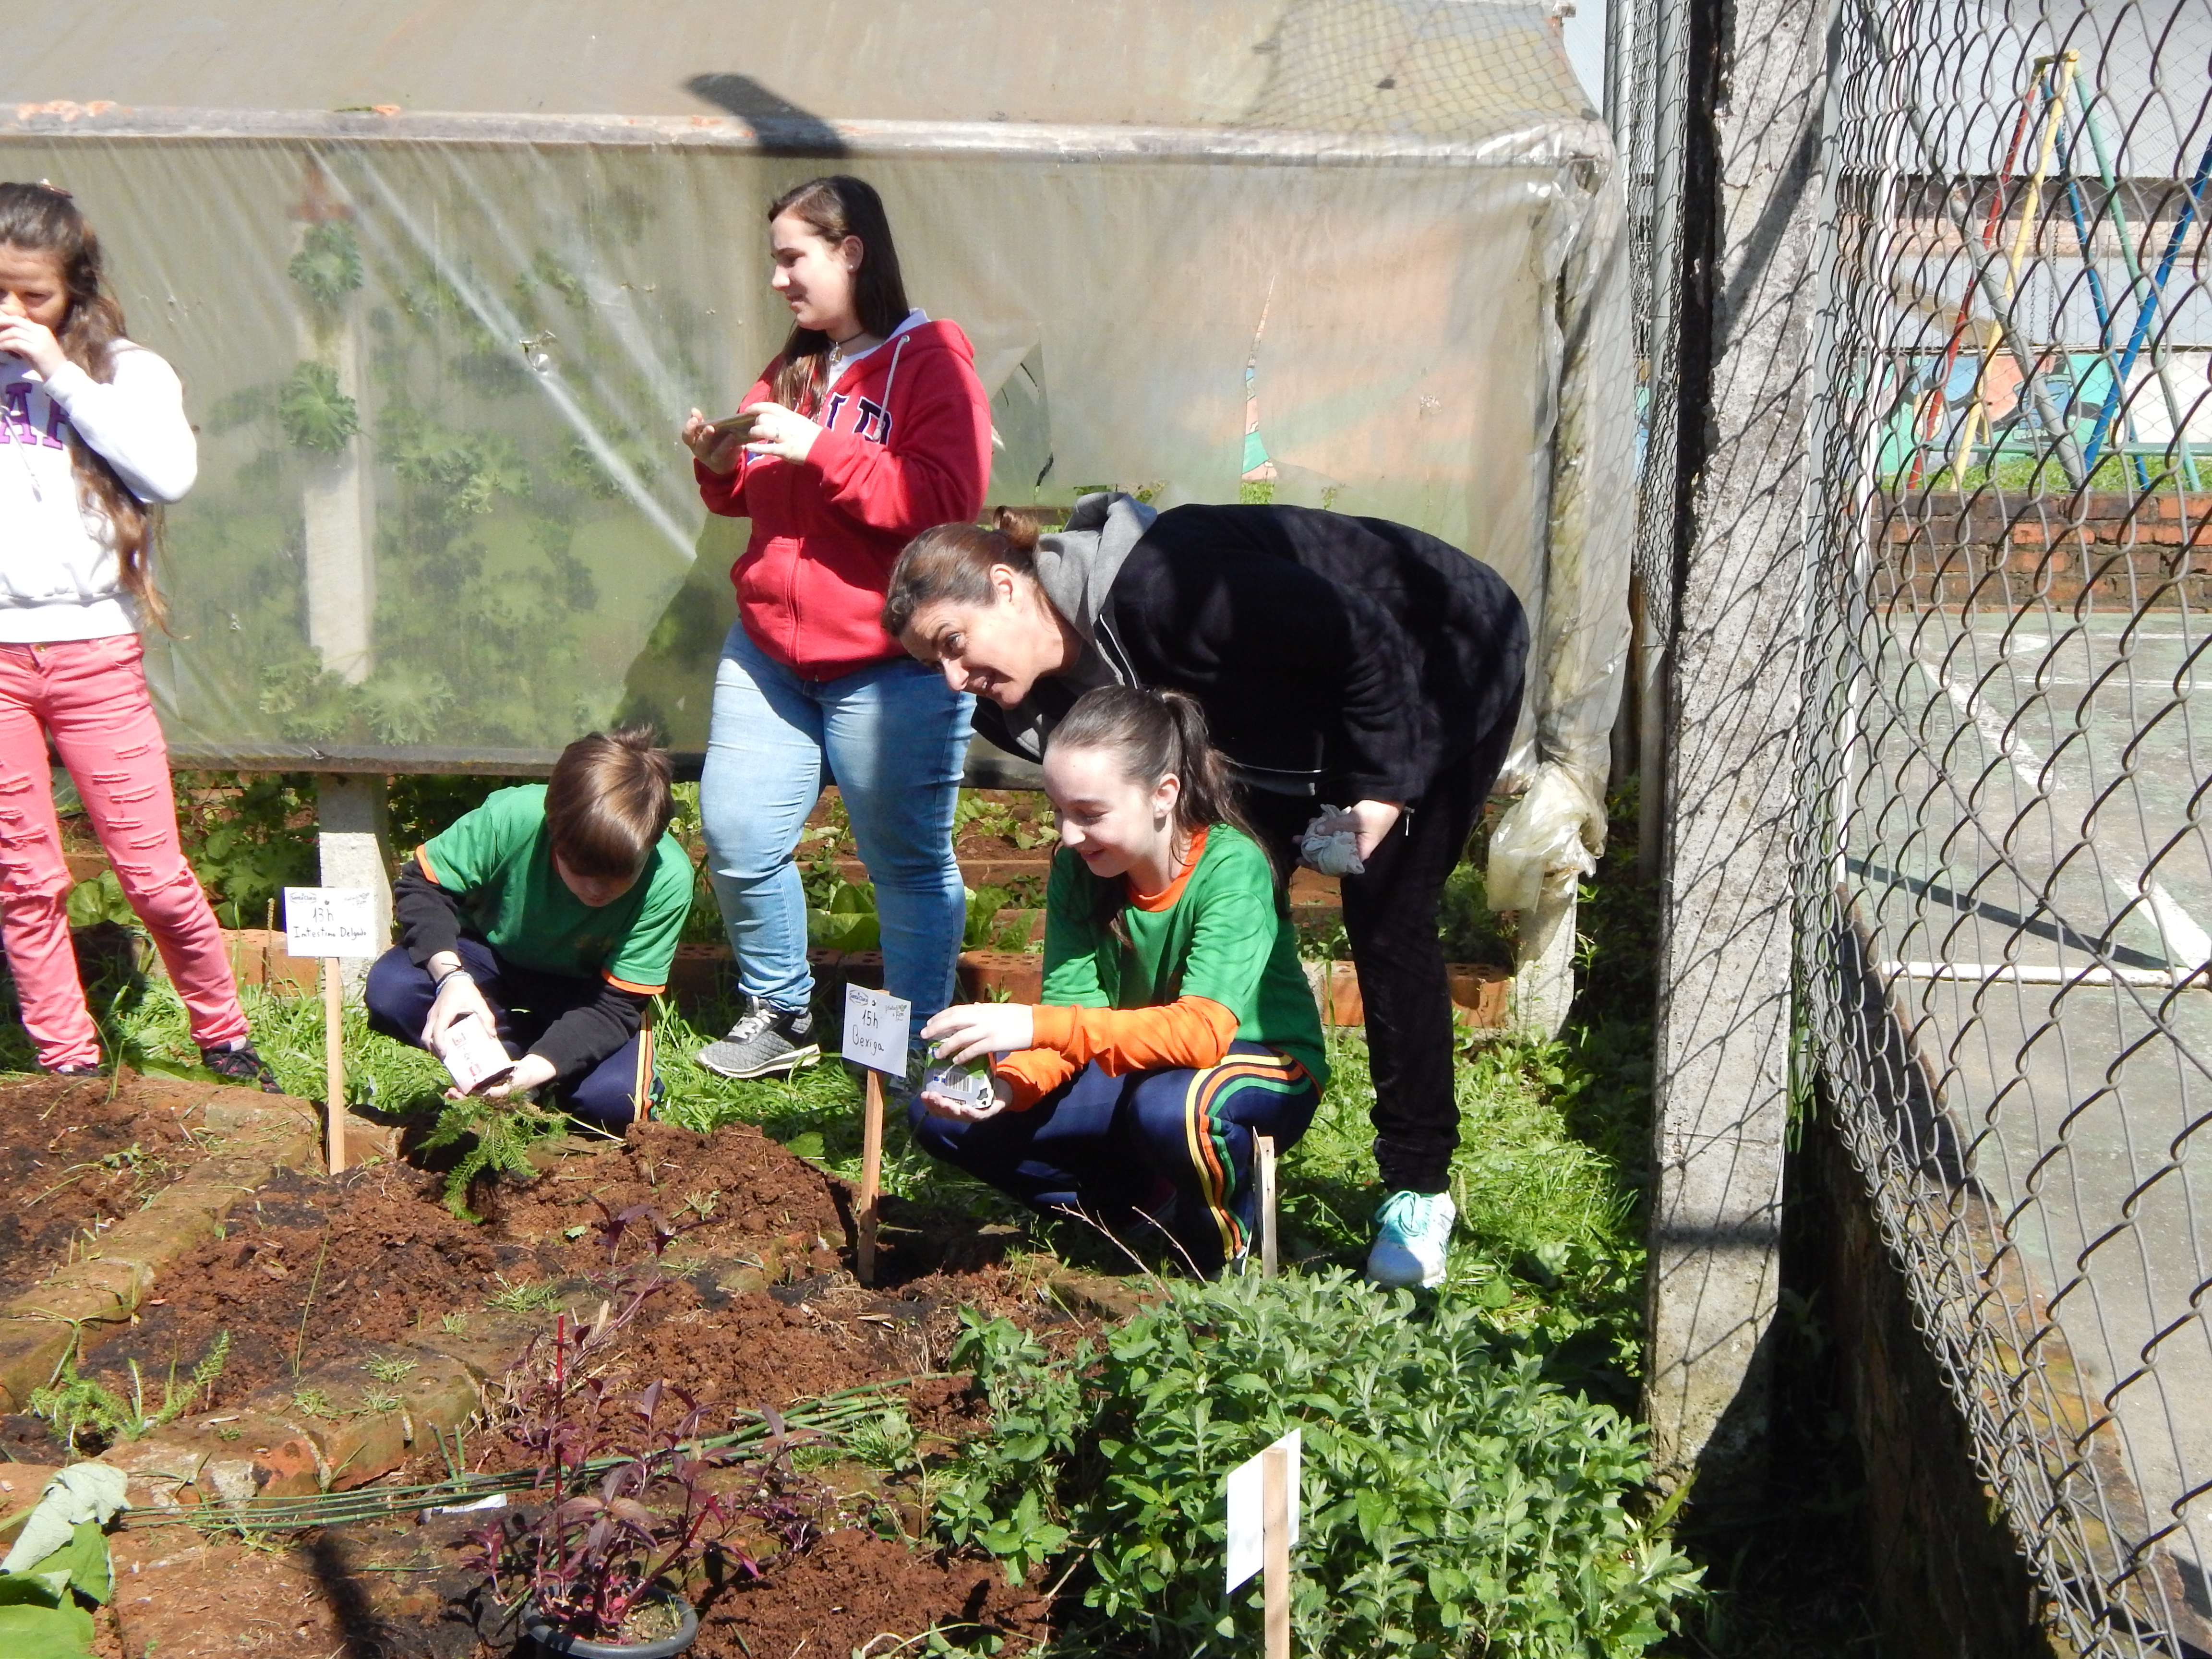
{"x":74,"y":1403}
{"x":528,"y":1296}
{"x":1457,"y":1500}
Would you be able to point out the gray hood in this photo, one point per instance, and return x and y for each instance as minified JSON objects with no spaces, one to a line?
{"x":1076,"y":565}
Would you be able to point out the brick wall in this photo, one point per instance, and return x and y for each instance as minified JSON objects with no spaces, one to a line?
{"x":2004,"y":549}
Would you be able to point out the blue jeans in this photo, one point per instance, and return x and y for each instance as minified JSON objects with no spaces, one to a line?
{"x":894,"y":738}
{"x":1112,"y":1147}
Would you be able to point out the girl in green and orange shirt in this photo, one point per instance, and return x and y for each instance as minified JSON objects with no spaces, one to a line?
{"x":1177,"y":1022}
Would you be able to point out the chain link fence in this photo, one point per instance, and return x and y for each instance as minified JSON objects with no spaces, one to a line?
{"x":2004,"y":881}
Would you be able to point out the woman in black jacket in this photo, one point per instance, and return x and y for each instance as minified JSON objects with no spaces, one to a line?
{"x":1337,"y":659}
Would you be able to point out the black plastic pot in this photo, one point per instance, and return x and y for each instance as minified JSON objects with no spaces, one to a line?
{"x":540,"y":1632}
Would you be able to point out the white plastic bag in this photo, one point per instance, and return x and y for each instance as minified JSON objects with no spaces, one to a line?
{"x":1548,"y":838}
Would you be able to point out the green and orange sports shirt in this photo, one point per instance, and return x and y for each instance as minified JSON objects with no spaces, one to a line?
{"x":497,"y":863}
{"x":1209,"y":961}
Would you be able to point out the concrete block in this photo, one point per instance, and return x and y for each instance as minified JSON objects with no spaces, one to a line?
{"x":31,"y":1349}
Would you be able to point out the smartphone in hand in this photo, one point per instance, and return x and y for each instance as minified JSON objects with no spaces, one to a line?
{"x":740,"y":426}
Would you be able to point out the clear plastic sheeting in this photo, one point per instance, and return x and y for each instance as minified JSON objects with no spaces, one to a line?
{"x":1365,"y":255}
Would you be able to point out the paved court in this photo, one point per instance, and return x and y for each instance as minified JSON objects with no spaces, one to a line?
{"x":2028,"y":809}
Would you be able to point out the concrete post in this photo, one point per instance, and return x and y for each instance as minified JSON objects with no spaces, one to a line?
{"x":1721,"y":1082}
{"x":356,"y":849}
{"x":1543,"y":964}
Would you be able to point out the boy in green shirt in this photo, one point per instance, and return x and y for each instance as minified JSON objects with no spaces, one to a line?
{"x":549,"y":916}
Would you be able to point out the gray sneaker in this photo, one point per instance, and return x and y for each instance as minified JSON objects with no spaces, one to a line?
{"x":765,"y":1042}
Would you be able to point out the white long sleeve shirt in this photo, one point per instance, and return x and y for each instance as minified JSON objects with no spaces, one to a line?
{"x":59,"y":575}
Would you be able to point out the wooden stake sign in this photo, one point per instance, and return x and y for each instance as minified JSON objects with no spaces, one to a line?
{"x":876,"y":1038}
{"x":1263,"y":1171}
{"x":332,"y":923}
{"x":1263,"y":1525}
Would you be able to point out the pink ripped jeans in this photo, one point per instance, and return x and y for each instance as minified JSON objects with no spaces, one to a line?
{"x":91,"y":695}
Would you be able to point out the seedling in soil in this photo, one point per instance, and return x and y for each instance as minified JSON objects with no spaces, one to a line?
{"x":72,"y":1403}
{"x":503,"y":1130}
{"x":453,"y":1323}
{"x":658,"y":1229}
{"x":389,"y":1368}
{"x":313,"y":1402}
{"x":526,"y":1295}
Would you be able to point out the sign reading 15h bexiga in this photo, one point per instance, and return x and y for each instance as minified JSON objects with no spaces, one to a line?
{"x":329,"y":921}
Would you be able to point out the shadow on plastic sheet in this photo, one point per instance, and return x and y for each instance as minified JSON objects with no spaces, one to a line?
{"x":779,"y":123}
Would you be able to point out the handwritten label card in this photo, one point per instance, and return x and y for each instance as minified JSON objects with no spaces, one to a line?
{"x":875,"y":1029}
{"x":329,"y":921}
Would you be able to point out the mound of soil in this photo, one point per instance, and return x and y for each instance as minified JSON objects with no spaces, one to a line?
{"x":752,"y":1308}
{"x":755,"y":1307}
{"x":76,"y":1156}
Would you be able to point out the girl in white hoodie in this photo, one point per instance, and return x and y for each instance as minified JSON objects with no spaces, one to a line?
{"x":92,"y":428}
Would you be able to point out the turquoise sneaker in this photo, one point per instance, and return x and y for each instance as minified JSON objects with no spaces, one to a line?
{"x":1409,"y":1248}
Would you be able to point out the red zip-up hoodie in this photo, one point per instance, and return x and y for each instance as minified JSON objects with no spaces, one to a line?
{"x":905,"y":444}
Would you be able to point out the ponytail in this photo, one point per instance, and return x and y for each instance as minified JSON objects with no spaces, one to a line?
{"x":1153,"y":734}
{"x":952,"y":564}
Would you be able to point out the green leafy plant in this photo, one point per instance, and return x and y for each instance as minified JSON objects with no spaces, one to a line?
{"x":465,"y":471}
{"x":73,"y":1403}
{"x":247,"y":838}
{"x":97,"y":900}
{"x":40,"y":1617}
{"x":313,"y":412}
{"x":1456,"y":1501}
{"x":328,"y":264}
{"x":497,"y":1135}
{"x":847,"y":922}
{"x":984,"y":904}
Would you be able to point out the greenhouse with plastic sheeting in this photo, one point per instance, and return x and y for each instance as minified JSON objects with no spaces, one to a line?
{"x":442,"y":281}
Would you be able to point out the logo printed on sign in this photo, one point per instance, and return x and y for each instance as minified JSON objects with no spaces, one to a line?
{"x":875,"y":1029}
{"x":329,"y":921}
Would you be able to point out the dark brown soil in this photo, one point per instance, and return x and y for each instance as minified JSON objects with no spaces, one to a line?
{"x":756,"y":1306}
{"x":752,"y":1308}
{"x":854,"y":1592}
{"x":75,"y":1157}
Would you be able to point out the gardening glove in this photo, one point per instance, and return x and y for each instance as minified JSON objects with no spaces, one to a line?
{"x":1331,"y":844}
{"x":81,"y":1493}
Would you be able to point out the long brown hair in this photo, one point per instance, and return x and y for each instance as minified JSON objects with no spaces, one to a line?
{"x":1151,"y":734}
{"x":834,"y":208}
{"x":42,"y":219}
{"x":952,"y":563}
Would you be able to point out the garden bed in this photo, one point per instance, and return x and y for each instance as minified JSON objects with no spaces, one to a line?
{"x":345,"y":1331}
{"x":77,"y":1157}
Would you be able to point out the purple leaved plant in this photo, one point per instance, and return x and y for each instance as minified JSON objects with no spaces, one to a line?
{"x":630,"y":1511}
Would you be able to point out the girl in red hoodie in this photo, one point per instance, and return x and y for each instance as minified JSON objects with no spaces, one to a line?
{"x":869,"y":427}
